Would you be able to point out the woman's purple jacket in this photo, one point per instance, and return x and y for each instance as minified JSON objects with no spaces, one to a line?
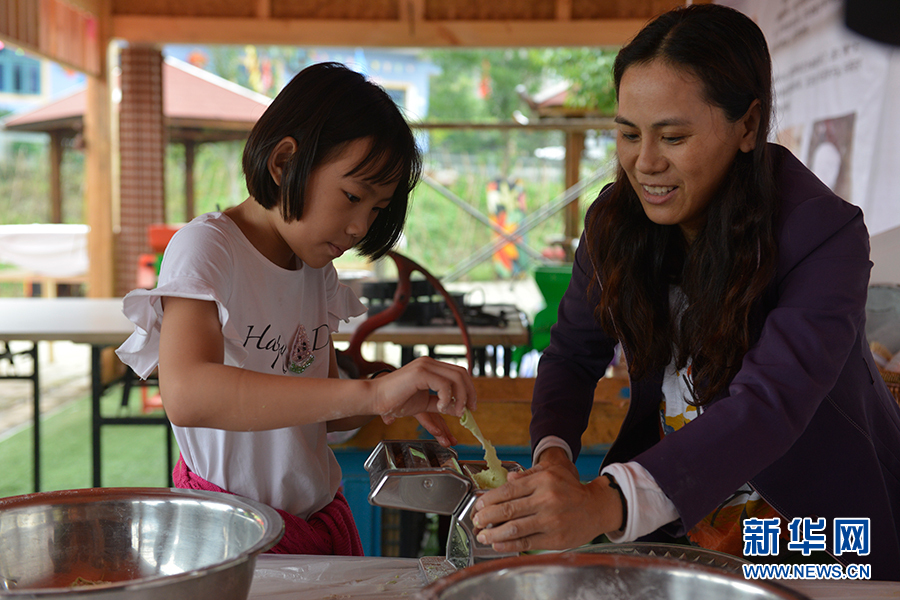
{"x":807,"y":421}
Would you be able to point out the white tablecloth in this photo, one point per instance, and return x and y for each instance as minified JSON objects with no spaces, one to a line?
{"x":51,"y":250}
{"x":292,"y":577}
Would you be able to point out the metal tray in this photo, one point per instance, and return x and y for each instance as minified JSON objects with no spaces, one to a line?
{"x":702,"y":556}
{"x":592,"y":576}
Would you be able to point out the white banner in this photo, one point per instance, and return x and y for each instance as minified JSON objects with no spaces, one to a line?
{"x":836,"y":101}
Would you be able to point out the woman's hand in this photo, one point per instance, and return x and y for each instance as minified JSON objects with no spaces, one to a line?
{"x":546,"y":508}
{"x":423,"y":386}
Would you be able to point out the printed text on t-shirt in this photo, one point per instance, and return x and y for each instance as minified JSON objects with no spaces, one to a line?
{"x":278,"y":347}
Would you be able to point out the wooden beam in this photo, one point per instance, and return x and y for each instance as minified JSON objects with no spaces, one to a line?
{"x":209,"y":123}
{"x":19,"y":23}
{"x":264,"y":9}
{"x":563,"y":10}
{"x":412,"y":12}
{"x":554,"y":124}
{"x":393,"y":33}
{"x":53,"y":29}
{"x":68,"y":35}
{"x":94,"y":7}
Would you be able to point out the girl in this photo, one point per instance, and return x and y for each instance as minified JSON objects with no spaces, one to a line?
{"x":736,"y":283}
{"x":240,"y":323}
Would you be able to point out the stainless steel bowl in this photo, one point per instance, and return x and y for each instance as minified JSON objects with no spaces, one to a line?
{"x":692,"y":554}
{"x":584,"y":576}
{"x":139,"y":543}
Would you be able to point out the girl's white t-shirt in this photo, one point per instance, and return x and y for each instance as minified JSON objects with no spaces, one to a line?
{"x":274,"y":320}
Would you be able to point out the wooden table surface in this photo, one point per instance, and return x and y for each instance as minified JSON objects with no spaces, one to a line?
{"x":504,"y":413}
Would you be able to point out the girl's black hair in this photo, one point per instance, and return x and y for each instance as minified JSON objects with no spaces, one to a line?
{"x":727,"y":268}
{"x":324,"y":107}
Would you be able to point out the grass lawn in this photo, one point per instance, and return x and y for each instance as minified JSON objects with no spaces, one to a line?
{"x":133,"y":455}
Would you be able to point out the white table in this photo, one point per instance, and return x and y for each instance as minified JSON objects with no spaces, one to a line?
{"x":95,"y":321}
{"x":101,"y":323}
{"x":79,"y":320}
{"x":280,"y":577}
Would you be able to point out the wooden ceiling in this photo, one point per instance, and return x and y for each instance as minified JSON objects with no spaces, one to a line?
{"x":74,"y":32}
{"x":398,"y":23}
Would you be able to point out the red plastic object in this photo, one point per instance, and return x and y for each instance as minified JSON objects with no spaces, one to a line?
{"x":159,"y":236}
{"x":146,"y":272}
{"x":150,"y":403}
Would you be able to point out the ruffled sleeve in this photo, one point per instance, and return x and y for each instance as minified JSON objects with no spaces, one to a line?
{"x":342,"y":302}
{"x":144,"y":308}
{"x":197,"y":264}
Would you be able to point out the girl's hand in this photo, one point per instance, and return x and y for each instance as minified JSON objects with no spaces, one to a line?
{"x":436,"y":426}
{"x":546,"y":508}
{"x":408,"y":391}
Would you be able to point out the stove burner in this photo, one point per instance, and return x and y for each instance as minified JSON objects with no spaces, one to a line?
{"x":428,"y":308}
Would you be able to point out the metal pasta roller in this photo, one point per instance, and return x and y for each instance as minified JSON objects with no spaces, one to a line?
{"x":423,"y":476}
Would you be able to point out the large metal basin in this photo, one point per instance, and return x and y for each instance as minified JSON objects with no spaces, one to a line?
{"x":693,"y":554}
{"x":135,"y":543}
{"x":576,"y":576}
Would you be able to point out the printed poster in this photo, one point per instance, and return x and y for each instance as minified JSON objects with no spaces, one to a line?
{"x":836,"y":98}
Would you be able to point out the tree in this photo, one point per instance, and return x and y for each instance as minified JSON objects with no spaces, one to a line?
{"x":481,"y":86}
{"x":590,"y":71}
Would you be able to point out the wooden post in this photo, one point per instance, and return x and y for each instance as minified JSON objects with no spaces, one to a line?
{"x":574,"y":149}
{"x":56,"y":155}
{"x":98,"y":190}
{"x":190,"y":151}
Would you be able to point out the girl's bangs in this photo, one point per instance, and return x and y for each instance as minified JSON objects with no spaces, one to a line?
{"x":385,"y":162}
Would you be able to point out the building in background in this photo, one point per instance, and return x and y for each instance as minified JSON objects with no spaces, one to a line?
{"x":27,"y":82}
{"x":403,"y":73}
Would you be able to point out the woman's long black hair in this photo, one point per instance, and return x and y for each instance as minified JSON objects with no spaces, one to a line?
{"x":728,"y":266}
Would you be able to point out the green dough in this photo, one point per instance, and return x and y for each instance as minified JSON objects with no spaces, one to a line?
{"x":495,"y":474}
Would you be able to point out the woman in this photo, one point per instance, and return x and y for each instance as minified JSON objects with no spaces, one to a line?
{"x":735,"y":282}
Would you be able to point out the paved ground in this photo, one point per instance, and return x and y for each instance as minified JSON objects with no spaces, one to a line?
{"x":65,"y":376}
